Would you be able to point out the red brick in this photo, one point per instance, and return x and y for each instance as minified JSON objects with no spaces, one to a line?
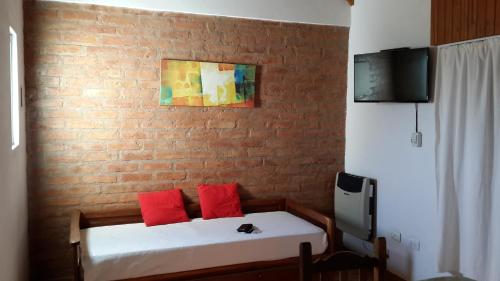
{"x":79,"y":38}
{"x":86,"y":169}
{"x":120,"y":20}
{"x":143,"y":74}
{"x":234,"y":133}
{"x":78,"y":15}
{"x":171,"y":176}
{"x":49,"y":123}
{"x":63,"y":201}
{"x":136,"y":156}
{"x":123,"y":145}
{"x":167,"y":155}
{"x":101,"y":114}
{"x":63,"y":92}
{"x":82,"y":124}
{"x":88,"y":147}
{"x":62,"y":158}
{"x":122,"y":167}
{"x":190,"y":123}
{"x":99,"y":179}
{"x":137,"y":114}
{"x":63,"y":49}
{"x":189,"y":165}
{"x":100,"y":29}
{"x":119,"y":41}
{"x":64,"y":190}
{"x":157,"y":166}
{"x":59,"y":180}
{"x":249,"y":163}
{"x":55,"y":135}
{"x":110,"y":199}
{"x":136,"y":134}
{"x":97,"y":156}
{"x":202,"y":134}
{"x":135,"y":177}
{"x":100,"y":134}
{"x":219,"y":164}
{"x":222,"y":124}
{"x":102,"y":51}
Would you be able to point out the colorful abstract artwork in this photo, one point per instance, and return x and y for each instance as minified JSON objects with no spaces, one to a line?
{"x":193,"y":83}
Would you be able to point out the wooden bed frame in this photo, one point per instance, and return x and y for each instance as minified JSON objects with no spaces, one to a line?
{"x":284,"y":269}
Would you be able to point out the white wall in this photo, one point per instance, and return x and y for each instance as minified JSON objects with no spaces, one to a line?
{"x":329,"y":12}
{"x":13,"y":195}
{"x":378,"y":138}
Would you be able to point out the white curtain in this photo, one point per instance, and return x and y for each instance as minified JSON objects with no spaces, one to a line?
{"x":468,"y":158}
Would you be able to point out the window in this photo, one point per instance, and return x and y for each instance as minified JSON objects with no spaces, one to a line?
{"x":14,"y":89}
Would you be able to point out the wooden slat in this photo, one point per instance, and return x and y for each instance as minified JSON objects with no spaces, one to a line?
{"x":380,"y":252}
{"x":490,"y":18}
{"x":472,"y":19}
{"x":434,"y":22}
{"x":464,"y":19}
{"x":481,"y":18}
{"x":460,"y":20}
{"x":497,"y":18}
{"x":363,"y":274}
{"x":456,"y":21}
{"x":448,"y":14}
{"x":441,"y":22}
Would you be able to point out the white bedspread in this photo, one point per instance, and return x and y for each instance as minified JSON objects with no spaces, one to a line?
{"x":134,"y":250}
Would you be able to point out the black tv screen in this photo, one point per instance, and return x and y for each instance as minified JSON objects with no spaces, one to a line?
{"x":392,"y":76}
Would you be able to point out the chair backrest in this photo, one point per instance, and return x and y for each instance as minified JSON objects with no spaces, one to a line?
{"x":342,"y":261}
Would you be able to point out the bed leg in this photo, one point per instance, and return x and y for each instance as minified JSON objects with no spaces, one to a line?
{"x":76,"y":262}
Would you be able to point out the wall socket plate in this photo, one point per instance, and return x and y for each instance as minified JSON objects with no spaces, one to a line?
{"x":396,"y":236}
{"x":416,"y":139}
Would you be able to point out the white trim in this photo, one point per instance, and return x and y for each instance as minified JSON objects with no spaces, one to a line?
{"x":14,"y":87}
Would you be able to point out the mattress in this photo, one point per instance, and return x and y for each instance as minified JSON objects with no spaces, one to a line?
{"x":134,"y":250}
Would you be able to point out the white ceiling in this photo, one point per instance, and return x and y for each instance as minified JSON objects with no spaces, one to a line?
{"x":329,"y":12}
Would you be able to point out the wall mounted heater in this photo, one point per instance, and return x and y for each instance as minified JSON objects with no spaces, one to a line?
{"x":354,"y":205}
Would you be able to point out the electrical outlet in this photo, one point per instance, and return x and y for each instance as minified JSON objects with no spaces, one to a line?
{"x":416,"y":139}
{"x":396,"y":236}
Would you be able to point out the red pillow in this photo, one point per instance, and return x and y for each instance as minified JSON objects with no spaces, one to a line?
{"x":219,"y":201}
{"x":162,"y":207}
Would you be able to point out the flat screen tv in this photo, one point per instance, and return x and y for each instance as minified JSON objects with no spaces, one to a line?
{"x":399,"y":75}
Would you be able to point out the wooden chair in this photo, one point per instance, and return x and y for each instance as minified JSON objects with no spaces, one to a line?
{"x":343,"y":261}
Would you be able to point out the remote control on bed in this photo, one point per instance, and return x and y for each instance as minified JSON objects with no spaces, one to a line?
{"x":247,"y":228}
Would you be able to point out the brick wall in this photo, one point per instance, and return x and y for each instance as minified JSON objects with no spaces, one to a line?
{"x":97,"y":134}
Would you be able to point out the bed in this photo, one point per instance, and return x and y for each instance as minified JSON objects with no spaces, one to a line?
{"x":118,"y":246}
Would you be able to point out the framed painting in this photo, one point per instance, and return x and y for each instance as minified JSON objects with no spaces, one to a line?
{"x":194,"y":83}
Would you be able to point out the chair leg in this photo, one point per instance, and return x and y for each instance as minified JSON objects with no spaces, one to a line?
{"x":344,"y":276}
{"x":363,"y":276}
{"x":380,"y":253}
{"x":305,"y":262}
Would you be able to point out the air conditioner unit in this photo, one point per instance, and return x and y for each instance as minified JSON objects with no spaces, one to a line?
{"x":354,"y":205}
